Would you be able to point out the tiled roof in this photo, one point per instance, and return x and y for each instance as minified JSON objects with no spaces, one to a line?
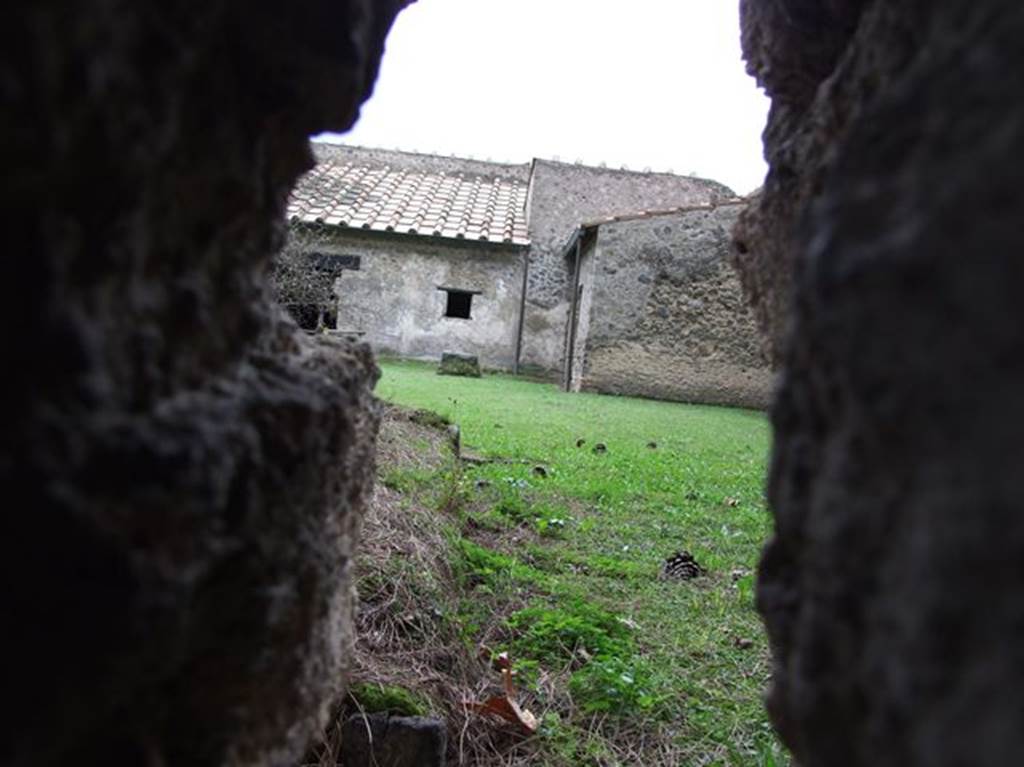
{"x":340,"y":191}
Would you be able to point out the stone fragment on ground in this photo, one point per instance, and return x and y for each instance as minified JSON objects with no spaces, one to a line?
{"x":453,"y":364}
{"x":454,"y":434}
{"x":393,"y":741}
{"x":474,"y":459}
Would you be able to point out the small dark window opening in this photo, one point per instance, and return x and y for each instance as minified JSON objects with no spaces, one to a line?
{"x":459,"y":304}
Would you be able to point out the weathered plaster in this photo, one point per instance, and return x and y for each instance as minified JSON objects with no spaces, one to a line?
{"x":393,"y":301}
{"x":562,"y":197}
{"x":663,"y":315}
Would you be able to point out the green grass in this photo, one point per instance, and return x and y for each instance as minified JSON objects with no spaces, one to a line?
{"x":379,"y":698}
{"x":576,"y":555}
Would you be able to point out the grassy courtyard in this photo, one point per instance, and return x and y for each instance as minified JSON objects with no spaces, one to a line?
{"x":557,"y":528}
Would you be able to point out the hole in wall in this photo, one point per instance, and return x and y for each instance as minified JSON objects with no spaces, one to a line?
{"x":458,"y":304}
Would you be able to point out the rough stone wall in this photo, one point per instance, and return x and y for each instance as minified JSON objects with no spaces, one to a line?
{"x":182,"y":474}
{"x":892,"y":588}
{"x":791,"y":46}
{"x":667,"y":317}
{"x":564,"y":196}
{"x":393,"y":299}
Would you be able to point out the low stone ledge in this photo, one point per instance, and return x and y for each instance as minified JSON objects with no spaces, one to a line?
{"x":453,"y":364}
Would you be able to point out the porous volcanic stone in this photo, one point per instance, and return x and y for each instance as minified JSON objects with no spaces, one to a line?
{"x":791,"y":46}
{"x":885,"y":251}
{"x":459,"y":365}
{"x":183,"y":472}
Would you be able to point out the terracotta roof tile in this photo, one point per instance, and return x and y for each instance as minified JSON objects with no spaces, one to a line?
{"x":340,"y":192}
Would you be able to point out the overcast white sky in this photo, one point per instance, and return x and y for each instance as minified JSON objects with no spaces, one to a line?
{"x":651,"y":83}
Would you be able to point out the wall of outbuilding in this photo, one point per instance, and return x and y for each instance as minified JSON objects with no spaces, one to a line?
{"x":665,"y":313}
{"x":562,"y":196}
{"x":393,"y":300}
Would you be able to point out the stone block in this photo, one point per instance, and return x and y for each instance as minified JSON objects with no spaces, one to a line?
{"x":453,"y":364}
{"x":393,"y":741}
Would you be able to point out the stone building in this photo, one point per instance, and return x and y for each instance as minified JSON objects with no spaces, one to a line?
{"x":435,"y":250}
{"x":563,"y":196}
{"x":658,"y":312}
{"x":447,"y":254}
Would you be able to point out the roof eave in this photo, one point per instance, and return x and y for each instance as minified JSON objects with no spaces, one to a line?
{"x":406,"y":235}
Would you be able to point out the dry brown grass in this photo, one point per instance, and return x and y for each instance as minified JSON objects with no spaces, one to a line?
{"x":407,"y":593}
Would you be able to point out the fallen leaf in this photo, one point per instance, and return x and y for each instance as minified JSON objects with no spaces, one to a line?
{"x":505,"y":706}
{"x":509,"y":710}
